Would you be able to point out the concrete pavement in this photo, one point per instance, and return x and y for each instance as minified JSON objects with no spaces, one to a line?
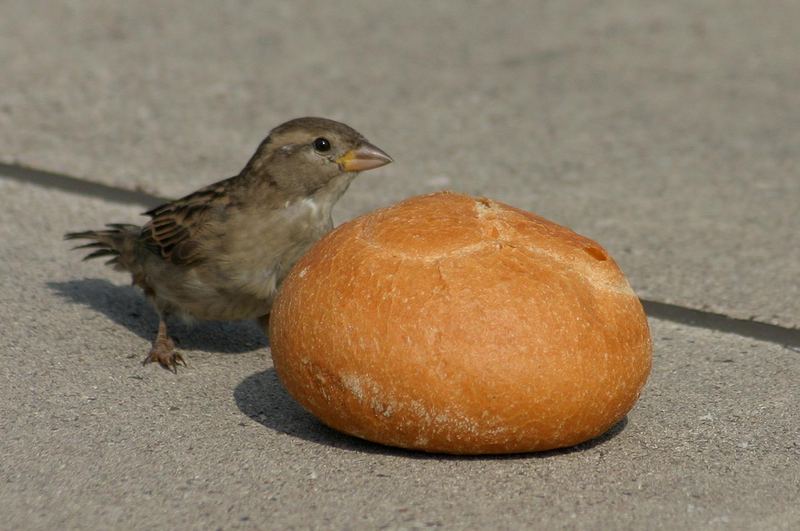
{"x":94,"y":440}
{"x":666,"y":132}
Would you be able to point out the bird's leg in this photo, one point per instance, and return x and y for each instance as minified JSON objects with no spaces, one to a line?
{"x":163,"y":350}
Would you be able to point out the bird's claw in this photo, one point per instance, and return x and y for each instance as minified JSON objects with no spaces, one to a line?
{"x":164,"y":353}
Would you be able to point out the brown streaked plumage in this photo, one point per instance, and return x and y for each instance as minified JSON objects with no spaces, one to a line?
{"x":222,"y":251}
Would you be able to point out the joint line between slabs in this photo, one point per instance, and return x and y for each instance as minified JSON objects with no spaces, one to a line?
{"x":67,"y":183}
{"x":788,"y":337}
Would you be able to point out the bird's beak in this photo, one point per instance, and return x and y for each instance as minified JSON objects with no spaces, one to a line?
{"x":364,"y":157}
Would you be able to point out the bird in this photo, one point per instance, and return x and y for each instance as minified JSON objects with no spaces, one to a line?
{"x":221,"y":252}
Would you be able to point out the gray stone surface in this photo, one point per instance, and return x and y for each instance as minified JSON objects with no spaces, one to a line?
{"x":667,"y":132}
{"x":92,"y":440}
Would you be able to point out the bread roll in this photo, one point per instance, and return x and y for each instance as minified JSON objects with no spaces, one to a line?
{"x":447,"y":323}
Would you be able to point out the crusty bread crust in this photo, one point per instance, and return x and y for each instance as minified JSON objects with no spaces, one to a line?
{"x":447,"y":323}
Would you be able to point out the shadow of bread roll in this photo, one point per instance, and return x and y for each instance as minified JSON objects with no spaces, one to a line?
{"x":453,"y":324}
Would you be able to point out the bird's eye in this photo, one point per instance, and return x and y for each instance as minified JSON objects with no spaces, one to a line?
{"x":322,"y":144}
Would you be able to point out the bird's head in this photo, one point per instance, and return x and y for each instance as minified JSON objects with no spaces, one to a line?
{"x":306,"y":154}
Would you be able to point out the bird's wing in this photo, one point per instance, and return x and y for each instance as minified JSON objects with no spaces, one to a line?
{"x":177,"y":229}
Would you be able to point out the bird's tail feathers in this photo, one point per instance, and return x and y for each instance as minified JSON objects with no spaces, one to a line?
{"x":116,"y":242}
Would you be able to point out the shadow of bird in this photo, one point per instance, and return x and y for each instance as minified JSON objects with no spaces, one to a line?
{"x":126,"y":306}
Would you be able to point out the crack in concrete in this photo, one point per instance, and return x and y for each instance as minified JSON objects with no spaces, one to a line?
{"x":788,"y":337}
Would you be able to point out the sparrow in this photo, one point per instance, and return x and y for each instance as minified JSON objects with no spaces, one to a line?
{"x":221,"y":252}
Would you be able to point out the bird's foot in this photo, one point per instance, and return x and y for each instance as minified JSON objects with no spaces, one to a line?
{"x":163,"y":352}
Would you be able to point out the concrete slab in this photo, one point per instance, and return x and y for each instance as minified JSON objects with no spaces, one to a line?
{"x":92,"y":440}
{"x":667,"y":132}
